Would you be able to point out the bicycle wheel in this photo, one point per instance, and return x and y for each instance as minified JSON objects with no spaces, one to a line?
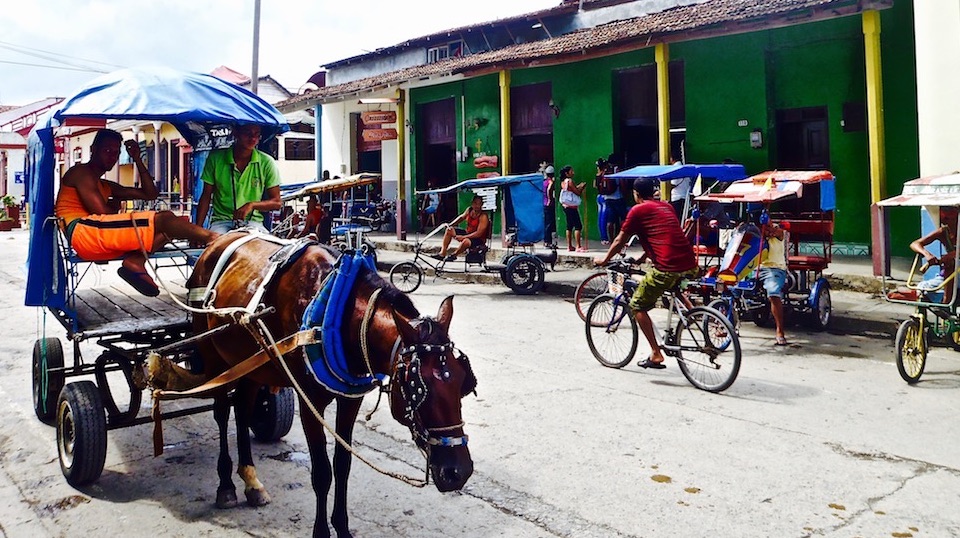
{"x":612,"y":331}
{"x":701,"y":361}
{"x":406,"y":276}
{"x":729,"y":311}
{"x":911,"y":350}
{"x":588,"y":290}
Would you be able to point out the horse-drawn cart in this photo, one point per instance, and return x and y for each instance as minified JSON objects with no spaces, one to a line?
{"x":122,"y":322}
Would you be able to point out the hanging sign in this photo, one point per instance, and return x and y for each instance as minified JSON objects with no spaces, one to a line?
{"x":378,"y":116}
{"x":374,"y":135}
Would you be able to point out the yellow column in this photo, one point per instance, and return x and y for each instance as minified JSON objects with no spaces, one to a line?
{"x":875,"y":131}
{"x":505,"y":122}
{"x":401,"y":165}
{"x":663,"y":111}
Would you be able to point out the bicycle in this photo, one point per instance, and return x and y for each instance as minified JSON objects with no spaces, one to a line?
{"x":696,"y":340}
{"x":596,"y":284}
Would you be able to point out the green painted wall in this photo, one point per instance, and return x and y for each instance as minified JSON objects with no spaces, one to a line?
{"x":728,"y":79}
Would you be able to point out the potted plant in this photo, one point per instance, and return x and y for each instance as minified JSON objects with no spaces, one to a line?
{"x":11,"y":210}
{"x":6,"y":223}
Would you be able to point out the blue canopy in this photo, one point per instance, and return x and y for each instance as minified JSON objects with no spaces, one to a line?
{"x":720,"y":172}
{"x":194,"y":103}
{"x":525,"y":195}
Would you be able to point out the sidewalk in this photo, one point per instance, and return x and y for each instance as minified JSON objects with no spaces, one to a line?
{"x":858,"y":306}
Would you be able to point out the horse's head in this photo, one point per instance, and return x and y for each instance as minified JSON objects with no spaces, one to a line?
{"x":430,"y":378}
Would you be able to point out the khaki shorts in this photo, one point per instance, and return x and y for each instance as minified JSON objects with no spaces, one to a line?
{"x":654,"y":283}
{"x":109,"y":237}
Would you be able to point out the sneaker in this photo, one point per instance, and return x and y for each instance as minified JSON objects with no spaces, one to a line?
{"x":451,"y":258}
{"x":437,"y":257}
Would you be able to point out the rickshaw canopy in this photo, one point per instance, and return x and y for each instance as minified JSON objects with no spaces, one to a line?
{"x":302,"y":190}
{"x":526,"y":200}
{"x":776,"y":185}
{"x":719,"y":172}
{"x":927,"y":191}
{"x":193,"y":103}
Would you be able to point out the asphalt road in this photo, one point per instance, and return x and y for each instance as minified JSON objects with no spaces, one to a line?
{"x":822,"y":438}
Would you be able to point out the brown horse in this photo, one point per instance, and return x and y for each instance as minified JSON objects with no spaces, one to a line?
{"x":427,"y":380}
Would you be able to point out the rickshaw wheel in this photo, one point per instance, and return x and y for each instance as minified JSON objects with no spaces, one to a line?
{"x":273,"y":414}
{"x":47,"y":384}
{"x":524,"y":275}
{"x":81,"y":433}
{"x":406,"y":276}
{"x":820,"y":307}
{"x":761,"y":316}
{"x":911,"y":346}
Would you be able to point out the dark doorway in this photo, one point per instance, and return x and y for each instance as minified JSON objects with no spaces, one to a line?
{"x":436,"y":152}
{"x":531,"y":127}
{"x":803,"y":141}
{"x":637,"y":139}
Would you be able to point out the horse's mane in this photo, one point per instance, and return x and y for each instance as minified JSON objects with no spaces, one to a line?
{"x":400,"y":301}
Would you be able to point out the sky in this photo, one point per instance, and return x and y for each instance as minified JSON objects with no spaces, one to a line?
{"x":51,"y":48}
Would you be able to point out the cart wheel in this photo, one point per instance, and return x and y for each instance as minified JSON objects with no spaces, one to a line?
{"x":47,"y":355}
{"x":406,"y":276}
{"x":821,"y":309}
{"x":761,"y":316}
{"x":504,"y":261}
{"x":524,"y":275}
{"x":375,"y":225}
{"x":81,"y":433}
{"x":911,"y":350}
{"x":273,"y":414}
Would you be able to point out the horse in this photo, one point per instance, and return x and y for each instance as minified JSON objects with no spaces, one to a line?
{"x":383,"y":337}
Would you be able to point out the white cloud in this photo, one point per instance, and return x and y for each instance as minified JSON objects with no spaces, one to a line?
{"x":296,"y":36}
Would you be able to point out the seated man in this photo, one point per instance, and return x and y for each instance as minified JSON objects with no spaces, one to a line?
{"x":478,"y":227}
{"x":88,"y":208}
{"x":946,"y":234}
{"x":315,"y":220}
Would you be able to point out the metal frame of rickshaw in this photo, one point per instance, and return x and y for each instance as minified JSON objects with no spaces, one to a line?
{"x":198,"y":106}
{"x":942,"y":320}
{"x":807,"y":290}
{"x":522,"y":269}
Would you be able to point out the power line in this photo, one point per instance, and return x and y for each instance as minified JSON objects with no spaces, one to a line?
{"x":83,"y":69}
{"x":55,"y":55}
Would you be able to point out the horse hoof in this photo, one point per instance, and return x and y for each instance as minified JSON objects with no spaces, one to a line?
{"x":226,"y":499}
{"x":257,"y":497}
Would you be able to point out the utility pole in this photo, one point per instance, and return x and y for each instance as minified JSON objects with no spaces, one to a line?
{"x":255,"y":76}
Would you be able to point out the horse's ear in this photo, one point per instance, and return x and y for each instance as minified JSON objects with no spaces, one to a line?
{"x":407,"y":333}
{"x":445,"y":315}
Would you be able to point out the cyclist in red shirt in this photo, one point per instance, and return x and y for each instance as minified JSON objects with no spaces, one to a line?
{"x":656,"y":226}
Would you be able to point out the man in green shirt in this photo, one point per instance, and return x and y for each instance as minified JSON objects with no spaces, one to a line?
{"x":241,"y":181}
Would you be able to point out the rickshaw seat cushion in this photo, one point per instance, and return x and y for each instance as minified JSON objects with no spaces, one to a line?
{"x":706,"y":250}
{"x":807,"y":262}
{"x":477,"y":253}
{"x":809,"y":229}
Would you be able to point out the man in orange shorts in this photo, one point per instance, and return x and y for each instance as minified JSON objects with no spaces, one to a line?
{"x":88,"y":208}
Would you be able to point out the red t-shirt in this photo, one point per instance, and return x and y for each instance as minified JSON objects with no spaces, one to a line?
{"x":656,"y":226}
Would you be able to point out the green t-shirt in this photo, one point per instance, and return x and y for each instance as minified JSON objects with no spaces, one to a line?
{"x":220,"y":170}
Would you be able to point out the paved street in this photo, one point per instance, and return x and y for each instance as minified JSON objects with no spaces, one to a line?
{"x":822,"y":438}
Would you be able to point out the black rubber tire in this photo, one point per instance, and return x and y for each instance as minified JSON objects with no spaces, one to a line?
{"x":81,"y":433}
{"x":762,"y":317}
{"x":47,"y":355}
{"x":375,"y":224}
{"x":911,"y":349}
{"x":272,"y":415}
{"x":524,"y":274}
{"x":703,"y":364}
{"x":406,"y":276}
{"x":589,"y":289}
{"x":612,"y":332}
{"x":821,"y":309}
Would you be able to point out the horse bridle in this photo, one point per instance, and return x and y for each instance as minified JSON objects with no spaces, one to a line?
{"x":413,"y":391}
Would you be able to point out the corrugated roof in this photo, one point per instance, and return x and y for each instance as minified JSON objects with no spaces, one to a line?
{"x":712,"y":18}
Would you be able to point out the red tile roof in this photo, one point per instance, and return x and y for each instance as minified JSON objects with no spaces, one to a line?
{"x":696,"y":21}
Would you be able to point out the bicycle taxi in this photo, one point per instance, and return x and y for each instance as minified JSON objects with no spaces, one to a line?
{"x":709,"y":178}
{"x":522,"y":269}
{"x":125,"y":324}
{"x":930,"y":288}
{"x":801,"y":202}
{"x":348,"y":234}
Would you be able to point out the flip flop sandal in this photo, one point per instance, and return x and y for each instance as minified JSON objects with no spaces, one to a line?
{"x":781,"y":341}
{"x":652,"y":365}
{"x":135,"y":279}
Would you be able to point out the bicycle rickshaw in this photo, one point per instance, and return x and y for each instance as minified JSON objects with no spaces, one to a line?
{"x":348,"y":233}
{"x":717,"y":175}
{"x":802,"y":202}
{"x":932,"y":292}
{"x":122,"y":322}
{"x":522,"y":269}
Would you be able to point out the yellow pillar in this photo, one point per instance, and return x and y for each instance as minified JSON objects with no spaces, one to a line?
{"x":875,"y":130}
{"x":401,"y":165}
{"x":662,"y":53}
{"x":505,"y":122}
